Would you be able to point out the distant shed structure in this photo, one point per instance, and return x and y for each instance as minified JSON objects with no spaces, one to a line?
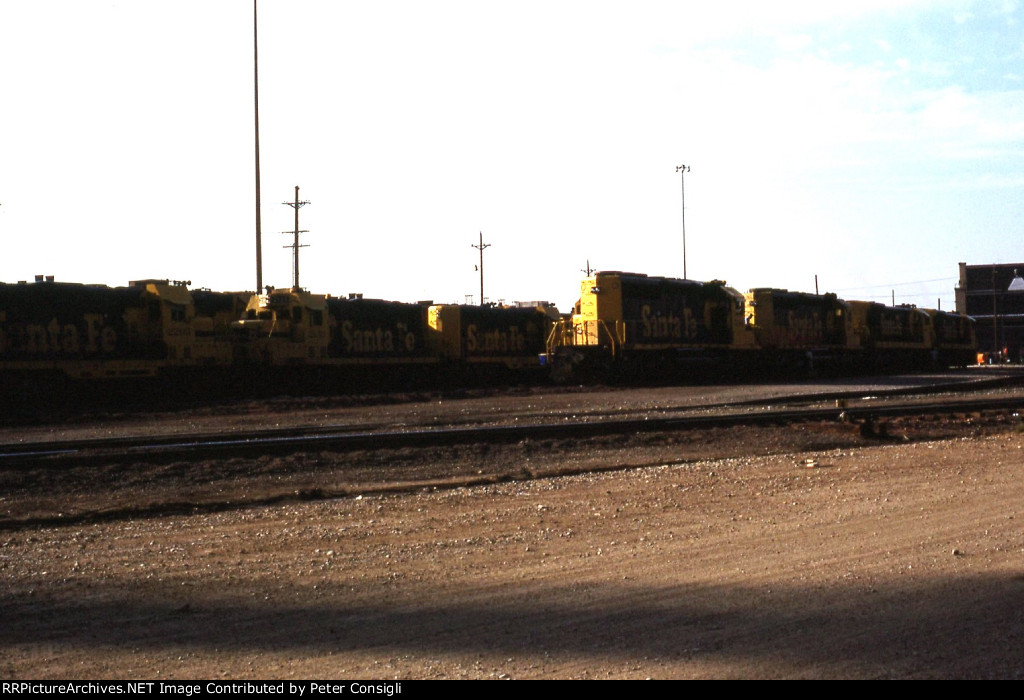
{"x":993,"y":295}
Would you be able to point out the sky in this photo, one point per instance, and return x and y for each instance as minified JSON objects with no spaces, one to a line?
{"x":872,"y":145}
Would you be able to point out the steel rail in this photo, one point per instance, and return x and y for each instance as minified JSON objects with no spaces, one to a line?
{"x":126,"y":443}
{"x":167,"y":449}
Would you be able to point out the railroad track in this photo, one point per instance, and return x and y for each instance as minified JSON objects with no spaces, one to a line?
{"x":251,"y":444}
{"x":81,"y":481}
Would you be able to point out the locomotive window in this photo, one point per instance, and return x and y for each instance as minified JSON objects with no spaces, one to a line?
{"x":297,"y":314}
{"x":316,"y":317}
{"x":177,"y":313}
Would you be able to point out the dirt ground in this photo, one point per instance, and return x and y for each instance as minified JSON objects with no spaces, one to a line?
{"x":796,"y":552}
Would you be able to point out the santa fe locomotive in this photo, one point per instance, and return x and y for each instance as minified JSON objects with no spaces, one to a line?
{"x":633,"y":324}
{"x":54,"y":335}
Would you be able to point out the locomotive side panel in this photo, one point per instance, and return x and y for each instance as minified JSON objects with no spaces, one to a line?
{"x":494,"y":332}
{"x":878,"y":326}
{"x":797,"y":321}
{"x":383,"y":330}
{"x":892,"y":337}
{"x":660,"y":312}
{"x":903,"y":326}
{"x":72,"y":322}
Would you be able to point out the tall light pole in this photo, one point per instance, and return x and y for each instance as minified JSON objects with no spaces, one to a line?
{"x":682,"y":170}
{"x":256,"y":111}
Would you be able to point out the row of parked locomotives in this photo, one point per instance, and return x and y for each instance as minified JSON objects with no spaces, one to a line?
{"x":363,"y":340}
{"x":57,"y":338}
{"x":634,"y":325}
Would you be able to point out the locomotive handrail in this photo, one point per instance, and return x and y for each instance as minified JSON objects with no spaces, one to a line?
{"x":614,"y":337}
{"x":551,"y":343}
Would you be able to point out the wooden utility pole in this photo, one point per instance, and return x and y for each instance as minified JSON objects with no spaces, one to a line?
{"x":481,"y":247}
{"x":295,"y":244}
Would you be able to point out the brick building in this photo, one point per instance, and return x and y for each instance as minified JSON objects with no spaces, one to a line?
{"x":994,"y":296}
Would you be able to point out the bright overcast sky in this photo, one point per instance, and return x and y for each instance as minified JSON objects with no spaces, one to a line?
{"x":873,"y":144}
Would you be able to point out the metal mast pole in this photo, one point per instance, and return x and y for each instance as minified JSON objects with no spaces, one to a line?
{"x":295,"y":245}
{"x":256,"y":110}
{"x":995,"y":317}
{"x":682,"y":170}
{"x":481,"y":247}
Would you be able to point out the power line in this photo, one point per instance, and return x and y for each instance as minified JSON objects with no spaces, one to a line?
{"x":926,"y":295}
{"x":897,"y":284}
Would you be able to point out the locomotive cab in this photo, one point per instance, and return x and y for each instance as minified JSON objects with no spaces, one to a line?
{"x":285,"y":326}
{"x":168,"y":317}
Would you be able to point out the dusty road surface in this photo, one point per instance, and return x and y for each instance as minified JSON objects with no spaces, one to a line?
{"x":895,"y":558}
